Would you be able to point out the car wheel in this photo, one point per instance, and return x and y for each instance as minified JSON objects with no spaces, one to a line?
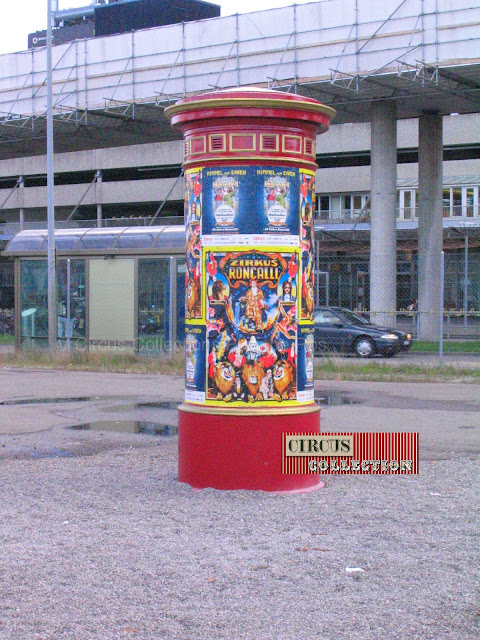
{"x":364,"y":347}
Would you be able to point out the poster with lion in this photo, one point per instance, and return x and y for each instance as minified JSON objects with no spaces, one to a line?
{"x":252,"y":307}
{"x":307,"y":204}
{"x":193,"y":273}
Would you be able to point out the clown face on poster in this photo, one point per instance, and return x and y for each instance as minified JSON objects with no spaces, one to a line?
{"x":252,"y":309}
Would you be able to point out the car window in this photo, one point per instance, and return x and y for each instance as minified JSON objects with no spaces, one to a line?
{"x":325,"y":317}
{"x":353,"y":317}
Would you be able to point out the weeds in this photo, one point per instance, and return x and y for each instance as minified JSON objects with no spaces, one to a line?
{"x":455,"y":346}
{"x":111,"y":362}
{"x":326,"y":368}
{"x":334,"y":368}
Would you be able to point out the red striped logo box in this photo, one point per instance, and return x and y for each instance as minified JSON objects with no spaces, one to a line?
{"x":350,"y":453}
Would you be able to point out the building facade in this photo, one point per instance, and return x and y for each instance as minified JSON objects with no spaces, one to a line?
{"x":118,"y":163}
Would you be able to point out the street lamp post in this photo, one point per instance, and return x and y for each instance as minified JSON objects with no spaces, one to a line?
{"x":52,"y":315}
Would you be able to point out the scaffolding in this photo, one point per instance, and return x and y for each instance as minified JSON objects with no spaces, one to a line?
{"x":348,"y":53}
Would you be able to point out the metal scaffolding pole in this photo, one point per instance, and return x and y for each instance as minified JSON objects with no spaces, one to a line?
{"x":52,"y":315}
{"x":465,"y":282}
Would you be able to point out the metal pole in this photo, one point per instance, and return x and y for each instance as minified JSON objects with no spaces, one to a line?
{"x":465,"y":283}
{"x":442,"y":285}
{"x":68,"y":304}
{"x":170,"y":310}
{"x":99,"y":198}
{"x":21,"y":211}
{"x":52,"y":316}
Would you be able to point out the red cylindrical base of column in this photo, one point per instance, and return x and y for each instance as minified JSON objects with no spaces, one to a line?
{"x":228,"y":449}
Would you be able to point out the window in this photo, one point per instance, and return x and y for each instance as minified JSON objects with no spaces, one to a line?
{"x":357,"y":204}
{"x":71,"y":308}
{"x":354,"y":206}
{"x":457,"y":201}
{"x":324,"y":207}
{"x":33,"y":299}
{"x":325,"y":317}
{"x":153,"y":304}
{"x":469,"y":202}
{"x":446,"y":203}
{"x":407,"y":205}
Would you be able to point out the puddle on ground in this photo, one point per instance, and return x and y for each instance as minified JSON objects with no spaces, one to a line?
{"x":168,"y":405}
{"x":334,"y":399}
{"x":129,"y":426}
{"x":164,"y":404}
{"x":53,"y":400}
{"x":53,"y":453}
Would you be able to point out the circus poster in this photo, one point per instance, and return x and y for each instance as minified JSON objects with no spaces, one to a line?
{"x":252,"y":309}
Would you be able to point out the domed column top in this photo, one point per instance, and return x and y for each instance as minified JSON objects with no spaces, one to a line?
{"x":251,"y":124}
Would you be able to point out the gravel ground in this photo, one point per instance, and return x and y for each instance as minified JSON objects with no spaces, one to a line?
{"x":98,"y":540}
{"x":110,"y":546}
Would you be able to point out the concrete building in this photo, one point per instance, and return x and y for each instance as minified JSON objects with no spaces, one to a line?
{"x":399,"y":172}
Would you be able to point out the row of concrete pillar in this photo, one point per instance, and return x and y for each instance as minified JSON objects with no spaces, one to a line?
{"x":383,"y":242}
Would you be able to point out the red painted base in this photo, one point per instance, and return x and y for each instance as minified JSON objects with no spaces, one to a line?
{"x":228,"y":449}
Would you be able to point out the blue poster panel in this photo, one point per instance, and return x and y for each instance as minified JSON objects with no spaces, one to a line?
{"x":193,"y":217}
{"x":251,"y":325}
{"x":224,"y":190}
{"x":280,"y":188}
{"x":307,"y":203}
{"x":305,"y":363}
{"x":195,"y":369}
{"x":250,"y":201}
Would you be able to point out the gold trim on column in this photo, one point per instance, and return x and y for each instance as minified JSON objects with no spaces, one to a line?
{"x":251,"y":102}
{"x":249,"y":411}
{"x":223,"y":136}
{"x":192,"y":139}
{"x":243,"y":135}
{"x":274,"y":136}
{"x":292,"y":137}
{"x":269,"y":158}
{"x":305,"y":147}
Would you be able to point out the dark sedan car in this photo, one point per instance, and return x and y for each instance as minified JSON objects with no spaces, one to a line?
{"x":339,"y":329}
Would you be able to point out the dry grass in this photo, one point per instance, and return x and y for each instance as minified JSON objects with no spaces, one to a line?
{"x":95,"y":361}
{"x":336,"y":368}
{"x":326,"y":368}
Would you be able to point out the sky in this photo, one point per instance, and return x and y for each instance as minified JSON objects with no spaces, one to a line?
{"x":21,"y":17}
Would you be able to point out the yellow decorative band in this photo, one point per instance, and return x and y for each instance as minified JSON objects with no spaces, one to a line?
{"x":236,"y":158}
{"x":224,"y":103}
{"x":263,"y":411}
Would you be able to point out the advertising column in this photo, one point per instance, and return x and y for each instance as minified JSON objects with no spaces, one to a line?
{"x":249,"y":203}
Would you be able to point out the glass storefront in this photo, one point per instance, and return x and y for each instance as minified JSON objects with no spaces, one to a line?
{"x":71,"y":304}
{"x":33,"y":301}
{"x":154,"y":300}
{"x":160,"y":315}
{"x":181,"y":272}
